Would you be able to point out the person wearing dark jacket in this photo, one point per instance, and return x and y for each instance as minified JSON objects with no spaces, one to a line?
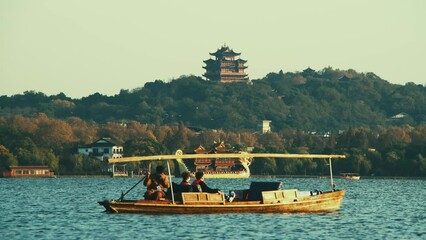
{"x":186,"y":177}
{"x":199,"y":181}
{"x":185,"y":185}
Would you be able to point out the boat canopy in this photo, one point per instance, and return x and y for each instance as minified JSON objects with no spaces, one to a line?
{"x":221,"y":155}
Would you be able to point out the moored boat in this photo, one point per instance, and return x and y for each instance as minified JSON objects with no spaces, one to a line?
{"x":351,"y":176}
{"x":28,"y":172}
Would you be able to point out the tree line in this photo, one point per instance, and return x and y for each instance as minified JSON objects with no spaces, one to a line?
{"x":310,"y":101}
{"x":40,"y":140}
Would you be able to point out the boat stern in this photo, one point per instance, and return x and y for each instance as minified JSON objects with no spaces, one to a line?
{"x":107,"y":205}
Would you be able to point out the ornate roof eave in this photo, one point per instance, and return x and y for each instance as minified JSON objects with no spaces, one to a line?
{"x":231,"y":53}
{"x":241,"y":77}
{"x":223,"y":53}
{"x":200,"y":149}
{"x":309,"y":70}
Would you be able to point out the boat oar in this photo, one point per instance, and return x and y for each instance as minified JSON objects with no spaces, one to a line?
{"x":124,"y":194}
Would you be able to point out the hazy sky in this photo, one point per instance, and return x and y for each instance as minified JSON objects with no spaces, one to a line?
{"x":80,"y":47}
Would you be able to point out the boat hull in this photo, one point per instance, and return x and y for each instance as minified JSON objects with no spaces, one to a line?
{"x":325,"y":202}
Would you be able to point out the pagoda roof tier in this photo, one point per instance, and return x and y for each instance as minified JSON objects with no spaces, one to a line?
{"x":200,"y":149}
{"x":241,"y":60}
{"x":224,"y":51}
{"x":231,"y":61}
{"x":209,"y":60}
{"x":234,"y":75}
{"x":232,"y":67}
{"x":221,"y":148}
{"x":208,"y":66}
{"x":211,"y":74}
{"x":239,"y":78}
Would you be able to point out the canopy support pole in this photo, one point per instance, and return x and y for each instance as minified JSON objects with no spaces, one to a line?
{"x":171,"y":183}
{"x":331,"y":174}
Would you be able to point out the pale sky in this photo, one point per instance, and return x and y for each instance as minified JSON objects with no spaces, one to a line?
{"x":80,"y":47}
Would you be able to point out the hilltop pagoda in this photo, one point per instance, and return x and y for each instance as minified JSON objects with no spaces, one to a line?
{"x":225,"y":67}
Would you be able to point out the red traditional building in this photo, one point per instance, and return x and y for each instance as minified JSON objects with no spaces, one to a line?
{"x":202,"y":164}
{"x":214,"y":164}
{"x":224,"y":164}
{"x":225,"y":67}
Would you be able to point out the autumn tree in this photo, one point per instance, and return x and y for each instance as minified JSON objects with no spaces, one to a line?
{"x":113,"y":130}
{"x":393,"y":138}
{"x":53,"y":133}
{"x":135,"y":130}
{"x":84,"y":132}
{"x":6,"y":158}
{"x":25,"y":124}
{"x":179,"y":139}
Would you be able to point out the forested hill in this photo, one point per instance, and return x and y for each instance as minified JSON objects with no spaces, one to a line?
{"x":310,"y":100}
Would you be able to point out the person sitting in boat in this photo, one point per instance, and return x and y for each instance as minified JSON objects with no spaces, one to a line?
{"x":185,"y":185}
{"x":156,"y":184}
{"x":186,"y":177}
{"x":199,"y":181}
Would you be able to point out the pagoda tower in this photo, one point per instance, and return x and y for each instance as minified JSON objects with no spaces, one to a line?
{"x":224,"y":67}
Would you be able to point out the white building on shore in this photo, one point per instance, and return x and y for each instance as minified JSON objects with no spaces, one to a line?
{"x":103,"y":148}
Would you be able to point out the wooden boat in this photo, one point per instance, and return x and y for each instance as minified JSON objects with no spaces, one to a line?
{"x":278,"y":201}
{"x":350,"y":176}
{"x":261,"y":197}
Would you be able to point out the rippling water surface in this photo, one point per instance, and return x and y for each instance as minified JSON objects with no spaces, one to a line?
{"x":66,"y":208}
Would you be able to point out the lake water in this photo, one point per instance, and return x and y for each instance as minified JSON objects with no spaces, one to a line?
{"x":66,"y":208}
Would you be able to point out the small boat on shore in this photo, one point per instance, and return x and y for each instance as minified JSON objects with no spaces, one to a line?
{"x":28,"y":172}
{"x":351,"y":176}
{"x":260,"y":197}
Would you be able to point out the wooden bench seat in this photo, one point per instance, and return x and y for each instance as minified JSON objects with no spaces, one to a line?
{"x":289,"y":195}
{"x":202,"y":198}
